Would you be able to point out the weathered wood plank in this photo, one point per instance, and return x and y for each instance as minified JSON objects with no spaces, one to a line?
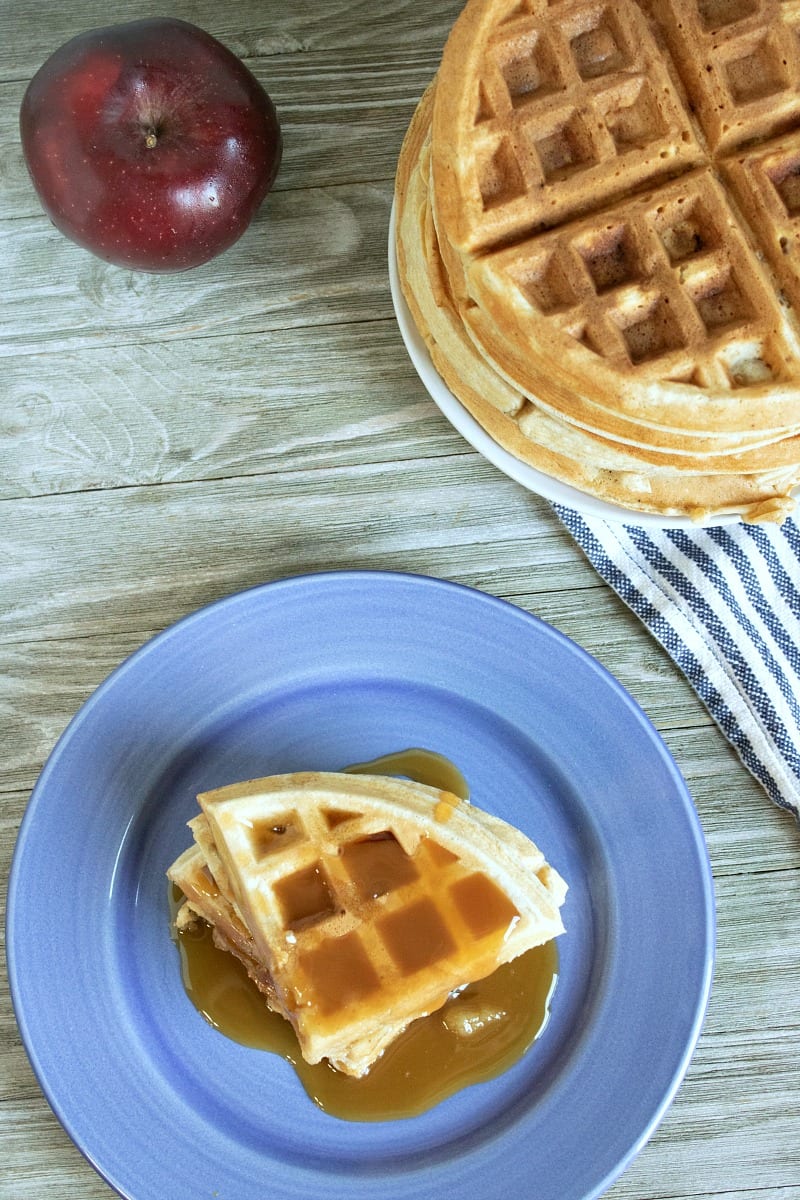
{"x":45,"y":1162}
{"x":214,"y":407}
{"x":309,"y":258}
{"x":252,"y":31}
{"x":756,"y":917}
{"x":75,"y":564}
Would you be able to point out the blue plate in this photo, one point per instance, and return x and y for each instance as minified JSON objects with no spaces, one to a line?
{"x":317,"y":672}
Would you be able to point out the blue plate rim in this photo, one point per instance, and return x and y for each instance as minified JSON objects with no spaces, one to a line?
{"x":179,"y":629}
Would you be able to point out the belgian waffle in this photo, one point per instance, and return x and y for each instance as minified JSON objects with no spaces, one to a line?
{"x":605,"y":200}
{"x":360,"y":903}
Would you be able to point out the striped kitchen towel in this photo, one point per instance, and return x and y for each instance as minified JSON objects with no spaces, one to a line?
{"x":725,"y":604}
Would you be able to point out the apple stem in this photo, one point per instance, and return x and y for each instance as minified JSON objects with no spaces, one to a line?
{"x":151,"y":139}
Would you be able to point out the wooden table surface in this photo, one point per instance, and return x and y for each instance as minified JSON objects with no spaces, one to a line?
{"x":167,"y":441}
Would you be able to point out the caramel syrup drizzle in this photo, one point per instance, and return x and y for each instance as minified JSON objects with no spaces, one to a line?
{"x":475,"y":1036}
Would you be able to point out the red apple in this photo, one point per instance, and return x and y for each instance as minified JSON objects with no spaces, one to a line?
{"x":149,"y":143}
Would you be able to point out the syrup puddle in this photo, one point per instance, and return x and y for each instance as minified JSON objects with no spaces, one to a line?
{"x":475,"y":1036}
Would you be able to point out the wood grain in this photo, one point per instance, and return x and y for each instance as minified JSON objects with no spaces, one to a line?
{"x":251,"y":30}
{"x":166,"y":441}
{"x":203,"y":408}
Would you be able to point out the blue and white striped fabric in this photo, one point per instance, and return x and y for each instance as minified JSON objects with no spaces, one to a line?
{"x":725,"y":604}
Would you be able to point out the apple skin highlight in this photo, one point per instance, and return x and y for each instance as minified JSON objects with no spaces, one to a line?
{"x":149,"y":144}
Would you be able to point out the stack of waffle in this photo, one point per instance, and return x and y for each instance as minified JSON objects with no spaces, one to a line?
{"x":598,"y":236}
{"x":359,"y":903}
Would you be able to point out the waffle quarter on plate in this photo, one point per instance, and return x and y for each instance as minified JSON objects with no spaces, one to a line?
{"x":360,"y":903}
